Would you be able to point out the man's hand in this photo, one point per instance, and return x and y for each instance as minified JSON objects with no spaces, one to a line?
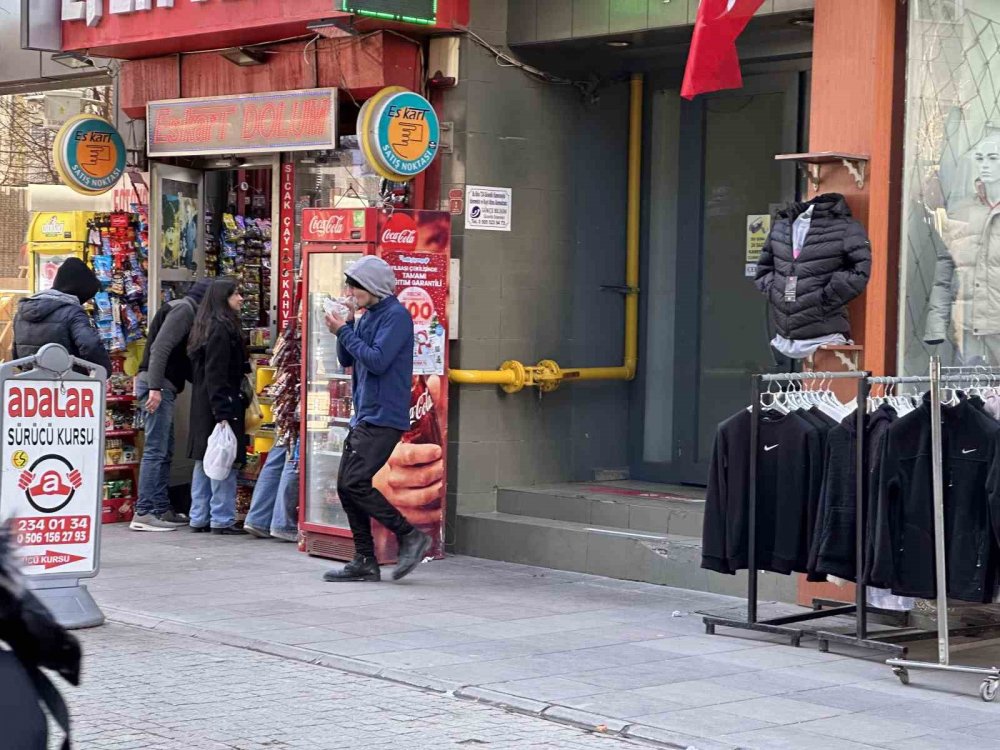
{"x":413,"y":480}
{"x":335,"y":323}
{"x":153,"y":401}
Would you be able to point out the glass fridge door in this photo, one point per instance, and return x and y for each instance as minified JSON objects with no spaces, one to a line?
{"x":328,"y":393}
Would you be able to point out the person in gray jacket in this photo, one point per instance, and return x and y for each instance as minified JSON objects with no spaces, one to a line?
{"x":56,"y":316}
{"x":162,"y":375}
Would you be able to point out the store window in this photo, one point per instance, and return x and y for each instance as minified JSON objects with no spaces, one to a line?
{"x":950,"y":282}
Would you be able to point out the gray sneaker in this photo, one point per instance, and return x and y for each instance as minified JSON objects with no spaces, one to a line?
{"x":149,"y":522}
{"x":174,"y":518}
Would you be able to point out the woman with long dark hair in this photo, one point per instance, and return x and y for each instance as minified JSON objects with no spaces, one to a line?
{"x":220,"y":362}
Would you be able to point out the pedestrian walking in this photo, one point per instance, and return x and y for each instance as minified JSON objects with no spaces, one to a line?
{"x":220,"y":363}
{"x":56,"y":316}
{"x":379,"y":347}
{"x":163,"y":373}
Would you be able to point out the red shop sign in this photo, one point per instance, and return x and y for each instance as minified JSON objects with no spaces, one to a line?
{"x":279,"y":121}
{"x":286,"y":246}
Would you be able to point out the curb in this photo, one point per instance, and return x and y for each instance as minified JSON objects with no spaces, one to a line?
{"x":553,"y":712}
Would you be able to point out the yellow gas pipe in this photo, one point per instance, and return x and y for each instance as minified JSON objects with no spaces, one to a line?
{"x":512,"y":375}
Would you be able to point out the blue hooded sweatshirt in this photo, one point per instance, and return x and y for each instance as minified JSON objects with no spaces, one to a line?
{"x":379,"y":346}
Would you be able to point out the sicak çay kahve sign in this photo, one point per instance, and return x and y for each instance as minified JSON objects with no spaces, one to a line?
{"x":50,"y":483}
{"x":252,"y":123}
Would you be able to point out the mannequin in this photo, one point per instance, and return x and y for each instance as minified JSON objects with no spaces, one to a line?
{"x":973,"y":237}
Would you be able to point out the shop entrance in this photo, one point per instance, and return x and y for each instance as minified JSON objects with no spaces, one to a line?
{"x":213,"y":220}
{"x":706,"y":324}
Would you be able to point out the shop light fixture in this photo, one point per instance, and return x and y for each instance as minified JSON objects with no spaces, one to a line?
{"x":73,"y":60}
{"x":244,"y":56}
{"x":619,"y":43}
{"x":804,"y":22}
{"x":334,"y":27}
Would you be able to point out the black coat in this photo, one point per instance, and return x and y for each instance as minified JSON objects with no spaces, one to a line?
{"x":52,"y":317}
{"x":219,"y":366}
{"x":903,"y":529}
{"x":831,"y":270}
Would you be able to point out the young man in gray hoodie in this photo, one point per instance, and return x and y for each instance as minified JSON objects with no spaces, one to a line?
{"x":162,"y":375}
{"x":379,"y":348}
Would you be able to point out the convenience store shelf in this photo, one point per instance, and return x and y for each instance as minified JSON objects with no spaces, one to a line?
{"x":120,"y":433}
{"x":121,"y":467}
{"x":120,"y":399}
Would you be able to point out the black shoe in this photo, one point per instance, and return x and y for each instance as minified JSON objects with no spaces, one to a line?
{"x":228,"y":531}
{"x":412,"y":548}
{"x":358,"y":569}
{"x":200,"y":529}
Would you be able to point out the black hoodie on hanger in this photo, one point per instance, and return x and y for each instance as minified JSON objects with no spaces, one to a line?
{"x":834,"y":543}
{"x":903,"y":527}
{"x":789,"y":471}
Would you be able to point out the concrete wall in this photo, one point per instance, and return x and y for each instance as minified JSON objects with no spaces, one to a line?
{"x":534,"y":292}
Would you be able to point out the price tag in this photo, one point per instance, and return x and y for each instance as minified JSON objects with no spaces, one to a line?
{"x":790,"y":285}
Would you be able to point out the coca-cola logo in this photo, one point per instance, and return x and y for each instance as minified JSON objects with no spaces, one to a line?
{"x":423,"y":406}
{"x":326,"y":226}
{"x":400,"y":232}
{"x":404,"y":237}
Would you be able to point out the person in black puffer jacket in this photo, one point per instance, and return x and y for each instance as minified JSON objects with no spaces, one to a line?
{"x":56,"y":316}
{"x":830,"y":269}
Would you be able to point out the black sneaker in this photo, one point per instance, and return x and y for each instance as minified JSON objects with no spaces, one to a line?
{"x":228,"y":531}
{"x":412,"y":548}
{"x":174,"y":518}
{"x":358,"y":569}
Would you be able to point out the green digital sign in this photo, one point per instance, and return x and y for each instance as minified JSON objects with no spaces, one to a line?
{"x":404,"y":11}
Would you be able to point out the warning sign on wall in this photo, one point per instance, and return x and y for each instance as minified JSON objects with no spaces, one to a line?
{"x":50,"y":483}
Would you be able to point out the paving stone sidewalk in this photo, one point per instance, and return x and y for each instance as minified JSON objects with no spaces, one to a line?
{"x":144,"y":690}
{"x":571,"y":647}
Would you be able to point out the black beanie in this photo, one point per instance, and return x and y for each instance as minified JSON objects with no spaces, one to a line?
{"x":75,"y":277}
{"x":198,"y":289}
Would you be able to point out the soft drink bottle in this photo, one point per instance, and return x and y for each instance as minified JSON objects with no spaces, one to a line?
{"x":424,"y":427}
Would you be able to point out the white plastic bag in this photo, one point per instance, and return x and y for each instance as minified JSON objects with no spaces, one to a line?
{"x":221,"y":452}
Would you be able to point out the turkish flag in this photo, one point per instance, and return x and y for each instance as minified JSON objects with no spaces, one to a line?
{"x":713,"y":63}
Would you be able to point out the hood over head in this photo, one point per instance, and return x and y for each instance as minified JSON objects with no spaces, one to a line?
{"x":373,"y":275}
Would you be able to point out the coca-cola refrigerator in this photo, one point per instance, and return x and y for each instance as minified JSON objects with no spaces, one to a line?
{"x":417,"y":244}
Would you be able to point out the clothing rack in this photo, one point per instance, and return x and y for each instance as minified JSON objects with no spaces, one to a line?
{"x":900,"y":667}
{"x":782,"y":625}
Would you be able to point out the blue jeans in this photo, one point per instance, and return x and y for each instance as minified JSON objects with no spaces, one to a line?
{"x":211,"y":501}
{"x":158,"y":453}
{"x":275,"y":504}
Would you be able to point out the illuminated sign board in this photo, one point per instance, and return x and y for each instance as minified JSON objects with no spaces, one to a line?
{"x":404,"y":11}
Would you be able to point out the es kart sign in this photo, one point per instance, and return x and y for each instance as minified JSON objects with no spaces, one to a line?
{"x":50,"y":481}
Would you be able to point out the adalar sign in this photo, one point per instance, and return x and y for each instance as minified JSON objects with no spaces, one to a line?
{"x":92,"y":11}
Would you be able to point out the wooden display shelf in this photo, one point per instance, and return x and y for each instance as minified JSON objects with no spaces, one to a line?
{"x":120,"y":433}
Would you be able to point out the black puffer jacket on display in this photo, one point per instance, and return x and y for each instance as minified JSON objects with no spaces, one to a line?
{"x":831,"y":270}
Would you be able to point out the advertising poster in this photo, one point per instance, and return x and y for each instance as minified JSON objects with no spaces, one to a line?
{"x":51,"y":480}
{"x":418,"y":247}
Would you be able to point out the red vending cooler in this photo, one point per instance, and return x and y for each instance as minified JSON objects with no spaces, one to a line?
{"x":417,"y":244}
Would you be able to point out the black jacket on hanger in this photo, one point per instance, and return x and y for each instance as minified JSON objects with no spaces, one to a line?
{"x":789,"y":471}
{"x":833,"y":551}
{"x":903,"y":541}
{"x":831,"y":270}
